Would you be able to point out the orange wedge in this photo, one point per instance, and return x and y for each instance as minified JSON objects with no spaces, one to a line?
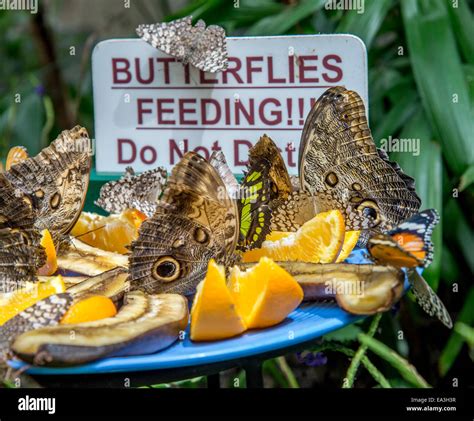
{"x":350,"y":241}
{"x":15,"y":156}
{"x":89,"y":309}
{"x":213,"y":314}
{"x":318,"y":241}
{"x":277,"y":235}
{"x":264,"y":294}
{"x":111,"y":233}
{"x":51,"y":265}
{"x":20,"y":300}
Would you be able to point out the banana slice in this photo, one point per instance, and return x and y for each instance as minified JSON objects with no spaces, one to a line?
{"x":81,"y":258}
{"x":358,"y":289}
{"x":145,"y":324}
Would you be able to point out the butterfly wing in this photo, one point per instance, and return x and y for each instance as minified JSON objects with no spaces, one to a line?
{"x":386,"y":250}
{"x":414,"y":235}
{"x":427,"y":298}
{"x":253,"y":206}
{"x":173,"y":38}
{"x":340,"y":166}
{"x":46,"y":312}
{"x":294,"y":212}
{"x":209,"y":50}
{"x":218,"y":161}
{"x":21,"y":255}
{"x":195,"y":221}
{"x":55,"y":181}
{"x":140,"y":191}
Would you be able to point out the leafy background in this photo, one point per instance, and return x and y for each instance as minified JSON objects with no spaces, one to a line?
{"x":421,"y":86}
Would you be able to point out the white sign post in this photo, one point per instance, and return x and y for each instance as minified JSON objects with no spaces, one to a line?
{"x":150,"y":109}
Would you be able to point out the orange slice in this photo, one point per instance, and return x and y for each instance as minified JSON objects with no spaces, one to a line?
{"x":111,"y":233}
{"x":319,"y":240}
{"x":89,"y":309}
{"x":51,"y":265}
{"x":213,"y":314}
{"x":20,"y":300}
{"x":15,"y":156}
{"x":350,"y":241}
{"x":277,"y":235}
{"x":264,"y":294}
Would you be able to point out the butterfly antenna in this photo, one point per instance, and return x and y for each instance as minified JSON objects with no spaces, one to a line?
{"x":88,"y":232}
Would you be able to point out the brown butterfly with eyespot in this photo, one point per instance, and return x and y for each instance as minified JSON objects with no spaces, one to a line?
{"x":195,"y":220}
{"x":341,"y":168}
{"x":55,"y":181}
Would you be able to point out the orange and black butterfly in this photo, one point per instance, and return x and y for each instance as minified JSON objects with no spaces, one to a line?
{"x":409,"y":246}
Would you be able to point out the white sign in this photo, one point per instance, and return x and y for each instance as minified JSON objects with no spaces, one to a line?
{"x":150,"y":109}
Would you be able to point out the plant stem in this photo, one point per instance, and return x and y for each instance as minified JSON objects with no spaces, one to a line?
{"x":370,"y":367}
{"x":354,"y":366}
{"x":288,"y":372}
{"x":407,"y":370}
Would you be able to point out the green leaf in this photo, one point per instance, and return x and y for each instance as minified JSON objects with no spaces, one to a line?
{"x":449,"y":268}
{"x":440,"y":79}
{"x":426,"y":167}
{"x":367,"y":23}
{"x":459,"y":233}
{"x":463,"y":25}
{"x":282,"y":22}
{"x":28,"y":123}
{"x":396,"y":118}
{"x":467,"y":178}
{"x":466,"y":332}
{"x":455,"y":342}
{"x":407,"y":371}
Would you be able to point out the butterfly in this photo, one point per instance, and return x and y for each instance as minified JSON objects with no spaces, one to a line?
{"x":195,"y":220}
{"x":340,"y":168}
{"x":139,"y":191}
{"x":46,"y":312}
{"x":21,"y":254}
{"x":204,"y":48}
{"x":409,"y":246}
{"x":54,"y":182}
{"x":265,"y":186}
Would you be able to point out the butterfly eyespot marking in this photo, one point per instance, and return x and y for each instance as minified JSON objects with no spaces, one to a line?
{"x":369,"y":209}
{"x":201,"y":236}
{"x":166,"y":269}
{"x":55,"y":200}
{"x":357,"y":187}
{"x":39,"y":194}
{"x":331,"y":179}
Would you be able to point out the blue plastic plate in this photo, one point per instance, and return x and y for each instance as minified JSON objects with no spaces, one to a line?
{"x":307,"y":322}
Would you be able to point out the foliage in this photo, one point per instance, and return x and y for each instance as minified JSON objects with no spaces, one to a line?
{"x":421,"y":86}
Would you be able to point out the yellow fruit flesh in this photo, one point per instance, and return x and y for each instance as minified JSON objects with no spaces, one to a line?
{"x":51,"y":265}
{"x":20,"y":300}
{"x":213,"y":314}
{"x":264,"y":294}
{"x":111,"y":233}
{"x":90,"y":309}
{"x":318,"y":241}
{"x":350,"y":241}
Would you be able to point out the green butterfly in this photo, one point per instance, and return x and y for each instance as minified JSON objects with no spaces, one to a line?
{"x":254,"y":212}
